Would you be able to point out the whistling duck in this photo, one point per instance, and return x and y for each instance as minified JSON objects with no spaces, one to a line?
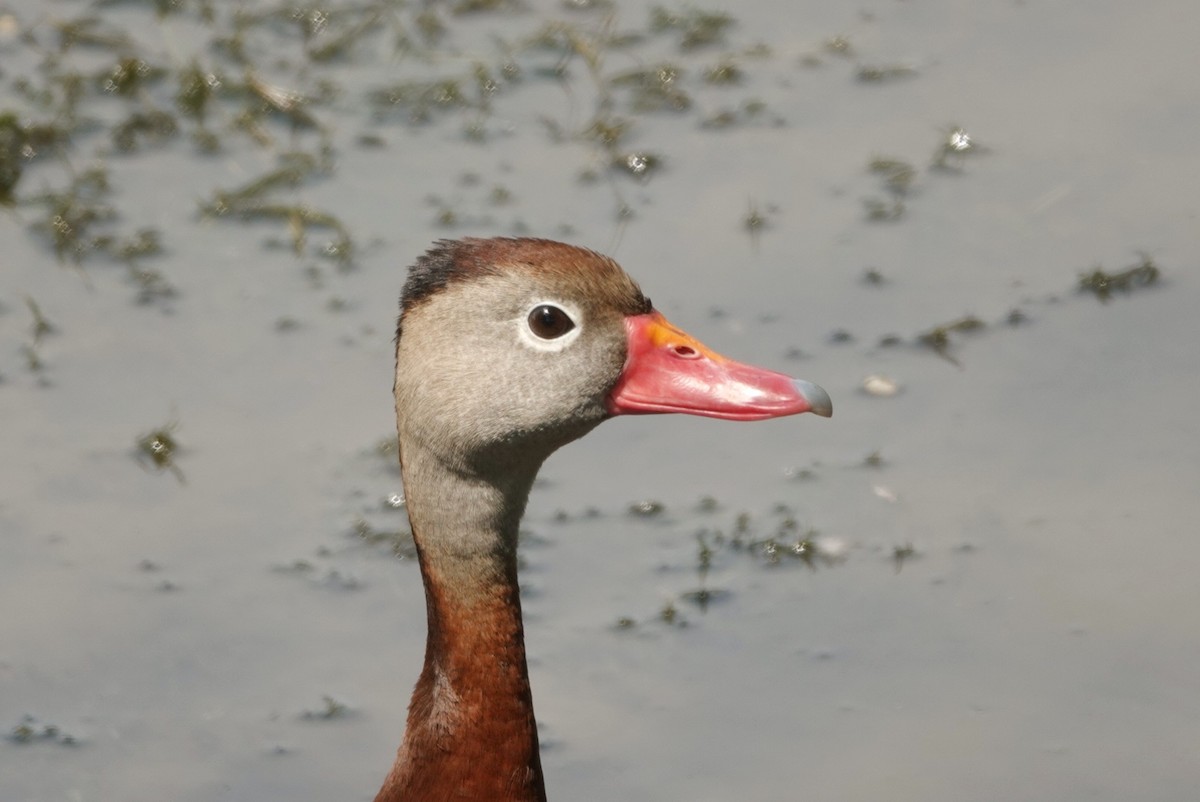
{"x":506,"y":350}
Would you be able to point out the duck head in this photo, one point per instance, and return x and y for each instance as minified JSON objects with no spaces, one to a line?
{"x":521,"y":345}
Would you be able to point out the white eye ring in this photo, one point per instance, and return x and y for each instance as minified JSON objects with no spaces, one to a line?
{"x":528,"y":338}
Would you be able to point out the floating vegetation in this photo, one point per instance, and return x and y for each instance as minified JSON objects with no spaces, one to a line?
{"x":897,"y":174}
{"x":938,"y":338}
{"x":400,"y":541}
{"x":330,"y":708}
{"x":638,"y":164}
{"x":141,"y":244}
{"x":755,"y":221}
{"x":805,"y":550}
{"x":197,"y":88}
{"x":840,"y":337}
{"x":883,"y":73}
{"x":41,"y":326}
{"x":1102,"y":284}
{"x":874,"y":460}
{"x":76,"y":218}
{"x":90,"y":32}
{"x":568,"y":41}
{"x":670,"y":615}
{"x":418,"y":100}
{"x":33,"y":361}
{"x":898,"y":177}
{"x":154,"y":127}
{"x":13,"y":145}
{"x":294,"y":169}
{"x":129,"y":77}
{"x":126,"y":96}
{"x":40,"y":329}
{"x":787,"y":543}
{"x":902,"y":554}
{"x":151,"y":567}
{"x":286,"y":103}
{"x":300,"y":219}
{"x":702,"y":597}
{"x":725,"y":72}
{"x":654,"y":88}
{"x":880,"y":210}
{"x":838,"y":45}
{"x":647,"y":508}
{"x":703,"y":557}
{"x":331,"y":578}
{"x":724,"y":118}
{"x":695,"y":28}
{"x":607,"y":131}
{"x":159,"y":448}
{"x":476,"y":6}
{"x":334,"y":36}
{"x":72,"y":214}
{"x":29,"y":730}
{"x":152,"y":286}
{"x":249,"y":203}
{"x":388,"y":449}
{"x":750,"y":111}
{"x":588,"y":5}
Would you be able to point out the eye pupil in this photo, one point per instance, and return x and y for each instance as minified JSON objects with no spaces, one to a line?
{"x":549,"y":322}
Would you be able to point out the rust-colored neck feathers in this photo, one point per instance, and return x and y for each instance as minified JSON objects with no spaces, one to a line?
{"x":471,"y":734}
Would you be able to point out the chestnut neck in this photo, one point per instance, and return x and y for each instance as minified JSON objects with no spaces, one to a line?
{"x":471,"y":733}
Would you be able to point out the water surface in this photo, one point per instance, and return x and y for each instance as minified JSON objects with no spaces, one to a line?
{"x":1012,"y":614}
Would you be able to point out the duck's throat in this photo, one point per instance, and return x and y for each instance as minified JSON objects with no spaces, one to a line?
{"x":471,"y":733}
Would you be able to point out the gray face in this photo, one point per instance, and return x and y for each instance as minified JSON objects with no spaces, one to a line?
{"x":480,"y":387}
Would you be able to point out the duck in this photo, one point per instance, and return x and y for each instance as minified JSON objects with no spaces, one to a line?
{"x":506,"y":350}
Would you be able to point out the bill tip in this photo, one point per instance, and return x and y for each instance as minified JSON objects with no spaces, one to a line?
{"x":818,"y":400}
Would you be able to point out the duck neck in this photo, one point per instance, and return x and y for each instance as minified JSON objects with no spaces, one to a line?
{"x":471,"y":732}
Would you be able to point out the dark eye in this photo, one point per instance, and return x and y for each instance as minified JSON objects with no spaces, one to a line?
{"x":549,"y":322}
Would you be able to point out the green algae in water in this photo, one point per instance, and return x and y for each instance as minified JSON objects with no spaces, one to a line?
{"x":695,"y":28}
{"x":158,"y":449}
{"x":938,"y":339}
{"x":1102,"y":284}
{"x":30,"y":730}
{"x":884,"y":73}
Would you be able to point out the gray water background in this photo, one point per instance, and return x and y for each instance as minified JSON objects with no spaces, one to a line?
{"x":1041,"y":642}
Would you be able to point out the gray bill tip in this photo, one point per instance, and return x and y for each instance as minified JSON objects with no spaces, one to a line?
{"x":818,"y":400}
